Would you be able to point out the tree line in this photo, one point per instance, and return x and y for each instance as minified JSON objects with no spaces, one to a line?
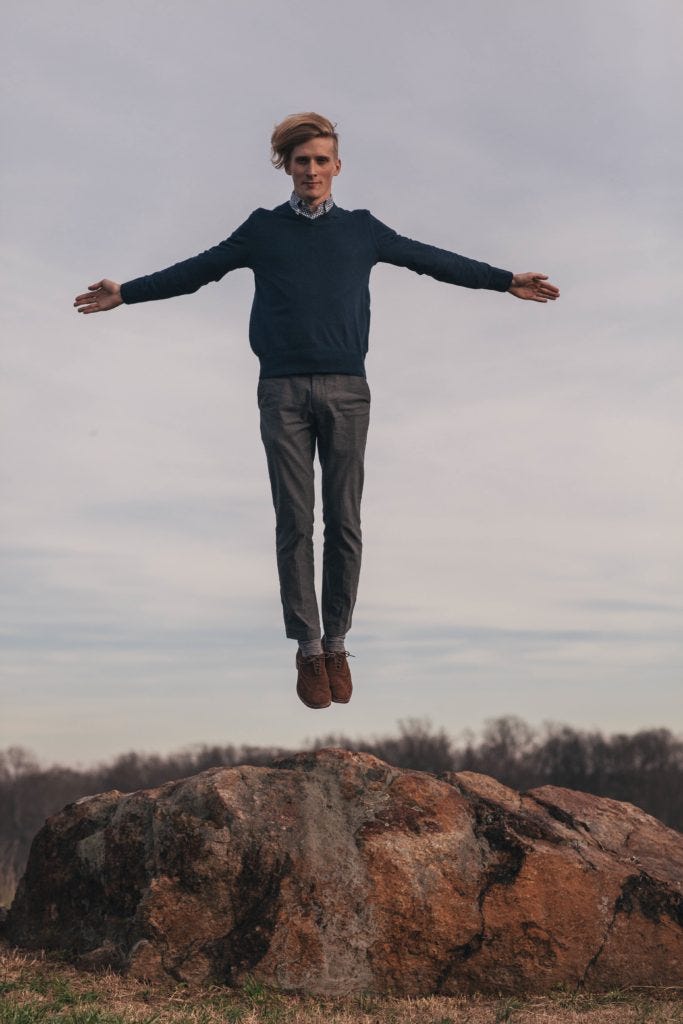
{"x":644,"y":768}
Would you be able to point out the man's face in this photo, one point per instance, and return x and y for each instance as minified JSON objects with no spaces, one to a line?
{"x":312,"y":166}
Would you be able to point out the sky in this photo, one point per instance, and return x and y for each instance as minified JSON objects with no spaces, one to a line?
{"x":523,"y":498}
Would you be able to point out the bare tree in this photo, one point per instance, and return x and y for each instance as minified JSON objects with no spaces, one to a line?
{"x":645,"y":768}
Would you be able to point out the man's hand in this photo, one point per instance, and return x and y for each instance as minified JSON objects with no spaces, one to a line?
{"x":103,"y":295}
{"x":533,"y":286}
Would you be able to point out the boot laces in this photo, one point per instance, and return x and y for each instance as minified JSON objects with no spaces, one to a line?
{"x":338,"y":656}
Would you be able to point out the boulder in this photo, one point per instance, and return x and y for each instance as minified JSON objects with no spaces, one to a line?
{"x":332,"y":873}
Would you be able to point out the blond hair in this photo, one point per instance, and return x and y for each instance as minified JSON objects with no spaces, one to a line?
{"x":297,"y":129}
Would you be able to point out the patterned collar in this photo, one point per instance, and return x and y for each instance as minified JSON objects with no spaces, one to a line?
{"x":301,"y":207}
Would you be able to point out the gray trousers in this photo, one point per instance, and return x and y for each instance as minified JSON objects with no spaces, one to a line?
{"x":330,"y":411}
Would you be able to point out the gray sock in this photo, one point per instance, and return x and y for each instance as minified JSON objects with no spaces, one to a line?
{"x":335,"y":644}
{"x":310,"y":647}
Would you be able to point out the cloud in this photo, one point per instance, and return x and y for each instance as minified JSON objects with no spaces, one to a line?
{"x":522,"y":499}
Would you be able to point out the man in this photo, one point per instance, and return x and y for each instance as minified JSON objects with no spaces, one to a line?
{"x":309,"y":328}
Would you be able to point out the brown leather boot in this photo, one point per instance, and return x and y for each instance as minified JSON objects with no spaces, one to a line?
{"x":312,"y":684}
{"x":339,"y":675}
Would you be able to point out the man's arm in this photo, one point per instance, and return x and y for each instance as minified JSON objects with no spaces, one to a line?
{"x":441,"y":264}
{"x":452,"y":268}
{"x":180,"y":279}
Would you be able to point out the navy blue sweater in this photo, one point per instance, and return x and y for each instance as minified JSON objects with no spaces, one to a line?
{"x":311,"y":310}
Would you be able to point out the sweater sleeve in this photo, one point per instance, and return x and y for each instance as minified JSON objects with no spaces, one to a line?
{"x":437,"y":263}
{"x":188,"y":276}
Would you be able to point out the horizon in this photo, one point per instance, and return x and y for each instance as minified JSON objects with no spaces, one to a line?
{"x":538,"y":734}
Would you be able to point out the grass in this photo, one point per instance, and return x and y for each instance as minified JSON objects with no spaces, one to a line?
{"x":43,"y":989}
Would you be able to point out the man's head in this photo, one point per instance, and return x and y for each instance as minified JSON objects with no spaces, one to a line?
{"x":306,"y":145}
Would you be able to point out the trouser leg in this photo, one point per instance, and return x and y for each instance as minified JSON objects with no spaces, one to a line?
{"x":341,"y":404}
{"x":288,"y":432}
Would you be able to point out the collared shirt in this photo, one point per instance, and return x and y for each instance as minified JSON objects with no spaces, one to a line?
{"x":301,"y":207}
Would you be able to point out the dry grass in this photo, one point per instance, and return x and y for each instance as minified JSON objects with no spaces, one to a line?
{"x":42,"y":989}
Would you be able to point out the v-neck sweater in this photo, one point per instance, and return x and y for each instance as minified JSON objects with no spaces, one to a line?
{"x":311,"y":308}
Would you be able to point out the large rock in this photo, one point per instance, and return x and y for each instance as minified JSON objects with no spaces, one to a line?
{"x":332,"y":872}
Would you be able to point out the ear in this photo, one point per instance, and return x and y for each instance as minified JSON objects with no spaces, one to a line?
{"x":338,"y":170}
{"x":287,"y":166}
